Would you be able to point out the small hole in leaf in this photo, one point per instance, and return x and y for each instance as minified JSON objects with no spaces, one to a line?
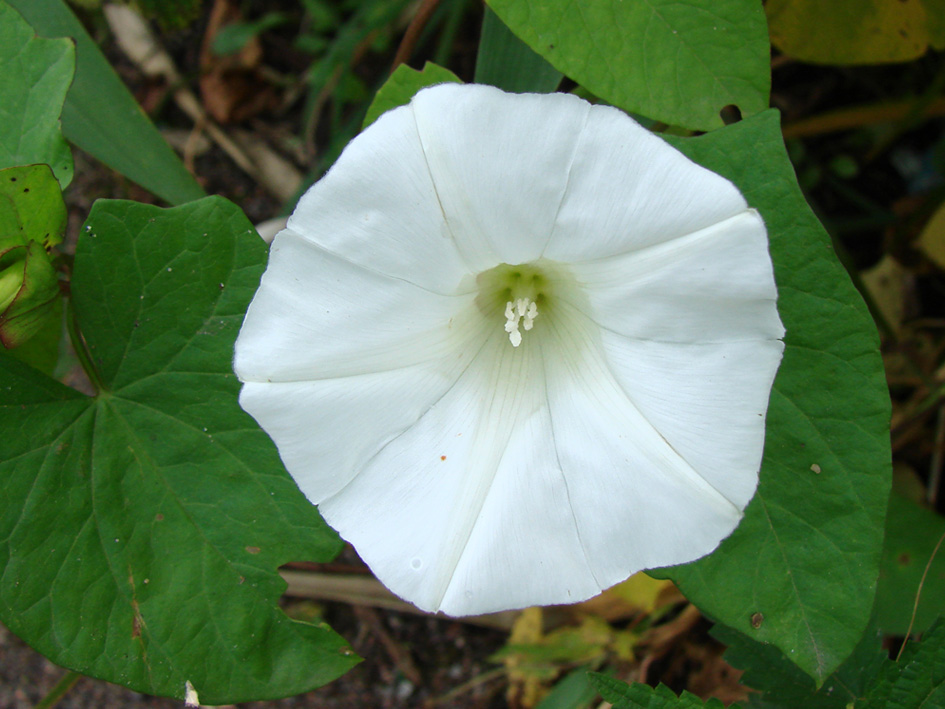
{"x":730,"y":114}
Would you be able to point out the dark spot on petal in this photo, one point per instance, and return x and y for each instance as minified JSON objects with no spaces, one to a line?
{"x":442,"y":457}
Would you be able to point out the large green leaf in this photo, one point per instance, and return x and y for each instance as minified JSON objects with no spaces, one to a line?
{"x":101,"y":116}
{"x":140,"y":530}
{"x":855,"y":31}
{"x":34,"y":77}
{"x":677,"y":61}
{"x":506,"y":62}
{"x":800,"y":570}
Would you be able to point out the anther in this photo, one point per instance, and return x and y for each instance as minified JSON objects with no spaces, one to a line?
{"x":522,"y":309}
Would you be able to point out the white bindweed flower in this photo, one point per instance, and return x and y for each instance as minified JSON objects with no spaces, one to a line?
{"x":516,"y":348}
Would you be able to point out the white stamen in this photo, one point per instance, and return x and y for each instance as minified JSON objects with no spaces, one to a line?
{"x":522,"y":309}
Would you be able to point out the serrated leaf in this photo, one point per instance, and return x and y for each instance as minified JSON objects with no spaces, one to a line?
{"x":781,"y":683}
{"x":642,"y":696}
{"x":917,"y":680}
{"x":506,"y":62}
{"x":102,"y":118}
{"x":855,"y":31}
{"x":800,"y":570}
{"x":140,"y":530}
{"x":676,"y":61}
{"x":912,"y":533}
{"x":403,"y":84}
{"x":34,"y":77}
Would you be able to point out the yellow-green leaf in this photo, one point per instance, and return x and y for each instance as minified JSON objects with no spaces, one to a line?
{"x":856,"y":31}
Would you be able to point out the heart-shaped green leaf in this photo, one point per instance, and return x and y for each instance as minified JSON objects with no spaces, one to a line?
{"x":676,"y":61}
{"x":800,"y":570}
{"x":140,"y":530}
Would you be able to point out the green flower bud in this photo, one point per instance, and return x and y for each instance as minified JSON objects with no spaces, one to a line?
{"x":29,"y":288}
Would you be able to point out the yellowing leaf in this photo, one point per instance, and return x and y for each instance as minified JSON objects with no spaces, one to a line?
{"x":932,"y":239}
{"x":888,"y":283}
{"x":855,"y":31}
{"x":525,"y":683}
{"x":638,"y":595}
{"x":643,"y":592}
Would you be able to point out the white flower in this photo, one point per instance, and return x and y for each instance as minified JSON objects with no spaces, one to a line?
{"x":516,"y":348}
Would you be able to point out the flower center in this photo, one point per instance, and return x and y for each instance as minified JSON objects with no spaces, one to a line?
{"x":522,"y":309}
{"x":513,"y":296}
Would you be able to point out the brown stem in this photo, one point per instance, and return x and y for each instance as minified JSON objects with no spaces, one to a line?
{"x":419,"y":21}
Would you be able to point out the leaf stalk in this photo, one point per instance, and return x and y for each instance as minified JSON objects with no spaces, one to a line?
{"x":81,"y":348}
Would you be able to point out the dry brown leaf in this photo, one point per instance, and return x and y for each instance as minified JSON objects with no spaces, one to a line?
{"x":232,"y":87}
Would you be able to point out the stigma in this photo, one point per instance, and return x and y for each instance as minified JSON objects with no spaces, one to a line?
{"x":522,"y":310}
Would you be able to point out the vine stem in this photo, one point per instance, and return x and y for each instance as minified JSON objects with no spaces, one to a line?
{"x":67,"y":682}
{"x":419,"y":21}
{"x":81,"y":349}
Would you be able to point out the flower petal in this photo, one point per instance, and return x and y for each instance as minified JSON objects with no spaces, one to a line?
{"x":637,"y":501}
{"x":467,"y":511}
{"x":629,"y":190}
{"x":377,"y":207}
{"x":714,"y":285}
{"x":708,"y":401}
{"x":316,"y":316}
{"x":500,"y":163}
{"x":320,"y":427}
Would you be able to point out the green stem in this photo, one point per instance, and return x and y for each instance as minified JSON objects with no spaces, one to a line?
{"x":58,"y":692}
{"x":81,"y":349}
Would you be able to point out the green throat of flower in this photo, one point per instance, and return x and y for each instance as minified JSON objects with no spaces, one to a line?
{"x":516,"y":297}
